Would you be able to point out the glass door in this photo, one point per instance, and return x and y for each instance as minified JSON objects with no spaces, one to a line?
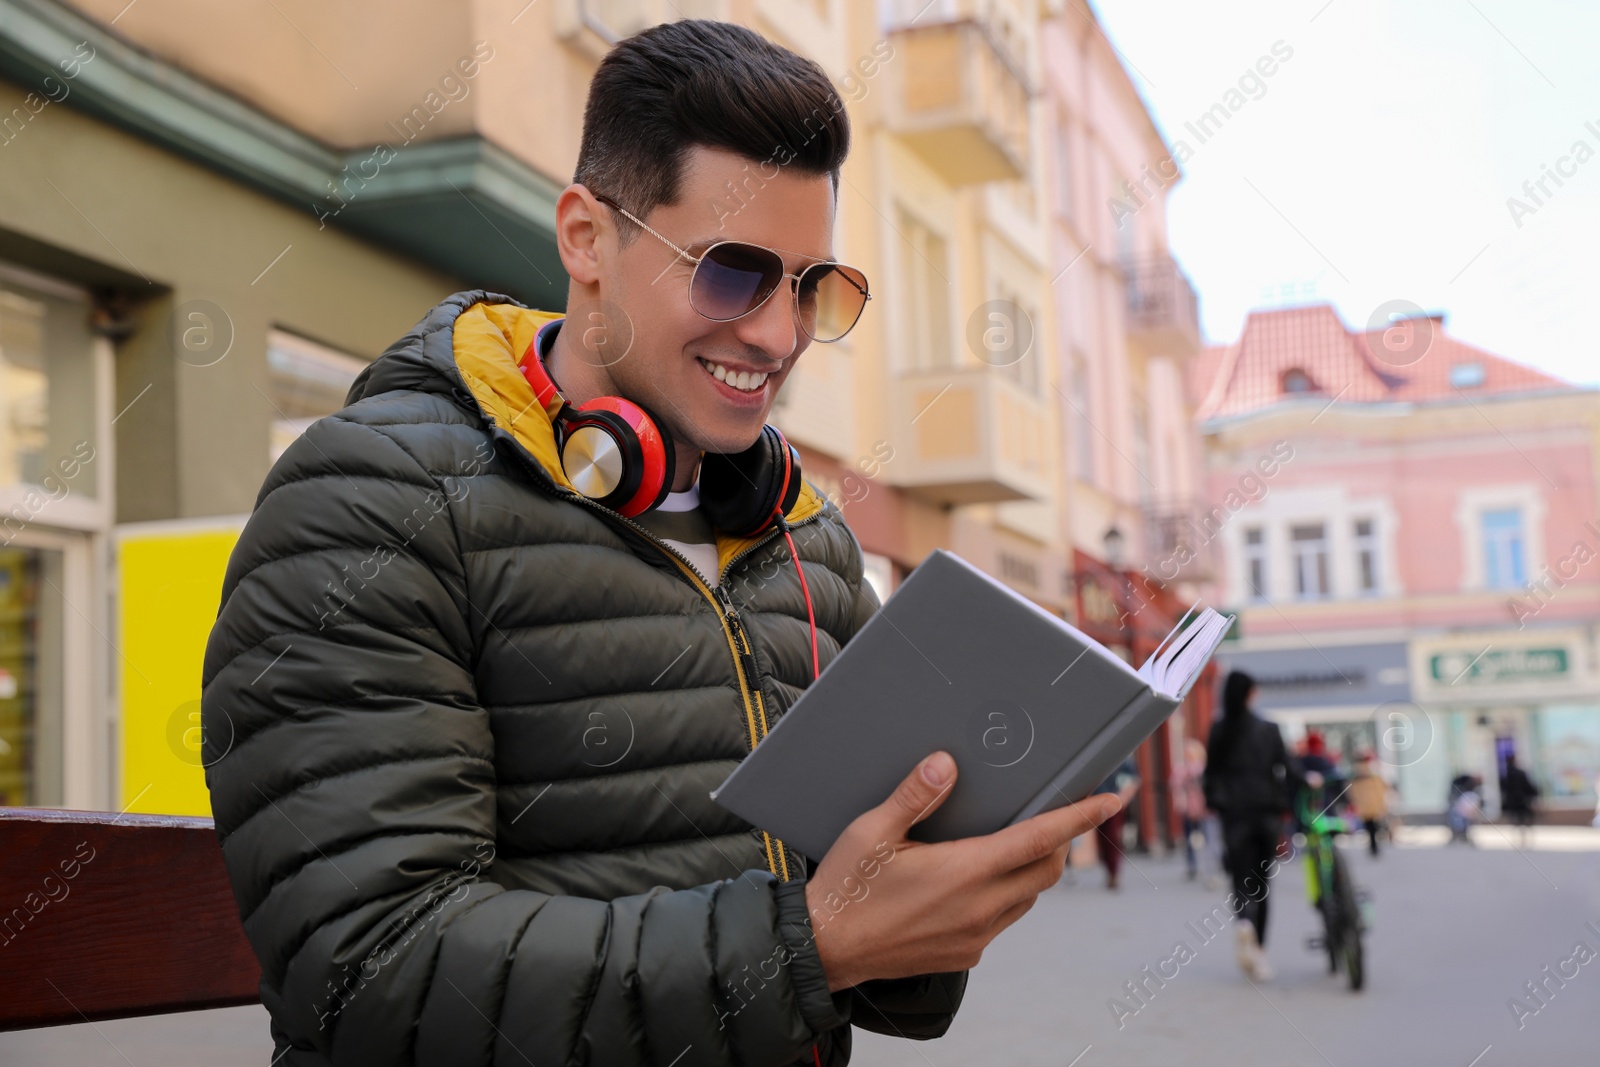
{"x":56,"y":464}
{"x":32,"y":634}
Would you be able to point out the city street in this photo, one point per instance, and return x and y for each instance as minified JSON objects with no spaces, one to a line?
{"x":1458,"y":932}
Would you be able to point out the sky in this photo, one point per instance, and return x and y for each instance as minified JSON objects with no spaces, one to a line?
{"x":1376,"y":163}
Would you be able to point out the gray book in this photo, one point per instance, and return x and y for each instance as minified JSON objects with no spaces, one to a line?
{"x":1035,"y":712}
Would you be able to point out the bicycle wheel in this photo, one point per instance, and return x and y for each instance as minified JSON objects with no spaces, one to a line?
{"x":1327,"y":905}
{"x":1348,"y":910}
{"x":1332,"y":933}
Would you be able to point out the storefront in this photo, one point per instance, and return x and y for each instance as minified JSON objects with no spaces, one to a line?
{"x":55,"y":480}
{"x":1349,"y":693}
{"x":1440,"y":706}
{"x":1532,"y":693}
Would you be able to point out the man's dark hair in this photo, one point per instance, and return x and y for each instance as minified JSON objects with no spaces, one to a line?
{"x":700,"y":82}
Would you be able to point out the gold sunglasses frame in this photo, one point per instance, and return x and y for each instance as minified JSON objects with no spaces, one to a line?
{"x":794,"y":288}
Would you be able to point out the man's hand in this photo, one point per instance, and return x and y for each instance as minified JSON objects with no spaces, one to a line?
{"x":884,"y":906}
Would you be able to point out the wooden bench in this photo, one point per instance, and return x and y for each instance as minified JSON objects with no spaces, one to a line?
{"x":104,"y":916}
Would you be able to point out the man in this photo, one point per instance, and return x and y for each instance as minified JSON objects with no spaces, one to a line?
{"x":477,"y":698}
{"x":1518,"y":793}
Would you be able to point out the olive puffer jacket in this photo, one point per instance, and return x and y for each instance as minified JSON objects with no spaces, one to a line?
{"x":462,"y":725}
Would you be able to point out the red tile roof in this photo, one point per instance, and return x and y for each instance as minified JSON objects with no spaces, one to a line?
{"x":1409,"y":361}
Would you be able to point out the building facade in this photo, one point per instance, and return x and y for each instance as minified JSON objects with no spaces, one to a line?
{"x":212,"y":217}
{"x":1408,"y":528}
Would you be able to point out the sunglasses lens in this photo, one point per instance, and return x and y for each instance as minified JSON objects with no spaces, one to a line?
{"x":733,"y":279}
{"x":831,"y":298}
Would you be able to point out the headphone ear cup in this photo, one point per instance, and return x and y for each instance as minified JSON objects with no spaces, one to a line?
{"x":615,"y":452}
{"x":600,"y":455}
{"x":743,"y":492}
{"x":659,"y":453}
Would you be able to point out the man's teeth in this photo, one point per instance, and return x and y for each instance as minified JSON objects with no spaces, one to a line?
{"x":746,"y":381}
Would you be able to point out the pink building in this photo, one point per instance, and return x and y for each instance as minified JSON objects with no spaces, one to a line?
{"x":1409,"y":530}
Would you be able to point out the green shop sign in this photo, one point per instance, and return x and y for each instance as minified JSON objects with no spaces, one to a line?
{"x":1498,"y":665}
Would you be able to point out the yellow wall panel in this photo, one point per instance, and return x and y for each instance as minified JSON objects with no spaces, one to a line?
{"x":169,"y":589}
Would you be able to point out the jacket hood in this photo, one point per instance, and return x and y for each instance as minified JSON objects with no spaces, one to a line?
{"x":468,"y":347}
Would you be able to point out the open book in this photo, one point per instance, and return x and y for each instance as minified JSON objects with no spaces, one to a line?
{"x":1035,"y":712}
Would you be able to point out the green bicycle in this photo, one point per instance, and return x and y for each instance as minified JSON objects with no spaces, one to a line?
{"x":1330,"y":890}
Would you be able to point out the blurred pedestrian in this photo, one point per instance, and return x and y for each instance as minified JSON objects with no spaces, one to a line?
{"x":1191,"y":797}
{"x":1462,"y":806}
{"x":1124,"y":781}
{"x":1316,"y":759}
{"x":1518,"y":794}
{"x":1248,"y":780}
{"x":1369,"y":795}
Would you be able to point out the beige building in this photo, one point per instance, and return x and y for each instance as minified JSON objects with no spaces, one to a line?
{"x":211,"y":216}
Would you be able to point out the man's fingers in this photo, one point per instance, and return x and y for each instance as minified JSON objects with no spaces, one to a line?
{"x":918,"y":794}
{"x":1034,"y":838}
{"x":1011,"y":915}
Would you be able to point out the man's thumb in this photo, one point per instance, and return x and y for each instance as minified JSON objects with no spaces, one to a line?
{"x":922,"y":791}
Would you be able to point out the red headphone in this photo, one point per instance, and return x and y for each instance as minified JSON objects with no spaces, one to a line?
{"x":615,"y":452}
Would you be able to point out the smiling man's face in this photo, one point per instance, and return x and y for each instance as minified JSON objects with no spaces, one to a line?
{"x":670,"y":366}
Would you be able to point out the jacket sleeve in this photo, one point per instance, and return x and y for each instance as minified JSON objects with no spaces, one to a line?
{"x":922,"y":1006}
{"x":352,"y":779}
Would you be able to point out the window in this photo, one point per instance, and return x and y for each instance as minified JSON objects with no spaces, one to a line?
{"x":47,"y":396}
{"x":1064,"y":170}
{"x":924,"y":265}
{"x":27,"y":389}
{"x":1366,"y":556}
{"x":1141,"y":450}
{"x":1296,"y":380}
{"x":1466,"y":375}
{"x":1126,"y":242}
{"x":1504,"y":565}
{"x":306,"y":382}
{"x":1082,"y":429}
{"x":1011,"y":331}
{"x":1310,"y":546}
{"x":1255,"y":563}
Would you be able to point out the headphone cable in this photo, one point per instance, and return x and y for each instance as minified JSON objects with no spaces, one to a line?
{"x":811,"y":614}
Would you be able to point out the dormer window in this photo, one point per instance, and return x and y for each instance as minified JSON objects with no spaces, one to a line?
{"x":1296,"y":380}
{"x":1466,"y":375}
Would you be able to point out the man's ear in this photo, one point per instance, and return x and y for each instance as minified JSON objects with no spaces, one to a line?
{"x":582,"y":235}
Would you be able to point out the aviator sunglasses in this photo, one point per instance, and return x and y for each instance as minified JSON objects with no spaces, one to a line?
{"x":733,"y":278}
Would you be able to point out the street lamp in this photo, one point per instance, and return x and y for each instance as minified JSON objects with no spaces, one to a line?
{"x":1113,"y":545}
{"x":1113,"y":542}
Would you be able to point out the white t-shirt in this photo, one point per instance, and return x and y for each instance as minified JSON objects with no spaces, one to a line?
{"x":680,"y":523}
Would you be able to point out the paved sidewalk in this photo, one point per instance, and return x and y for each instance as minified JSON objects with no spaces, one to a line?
{"x":1459,"y":930}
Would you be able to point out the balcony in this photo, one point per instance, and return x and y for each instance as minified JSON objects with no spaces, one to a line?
{"x":959,"y":100}
{"x":1181,"y":543}
{"x":1163,"y":311}
{"x":968,"y":435}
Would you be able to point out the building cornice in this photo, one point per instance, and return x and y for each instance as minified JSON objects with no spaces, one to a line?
{"x":1391,"y":409}
{"x":442,"y":202}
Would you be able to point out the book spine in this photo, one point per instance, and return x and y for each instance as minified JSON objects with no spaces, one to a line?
{"x":1134,"y":722}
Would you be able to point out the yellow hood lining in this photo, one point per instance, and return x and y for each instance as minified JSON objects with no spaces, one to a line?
{"x":488,"y":342}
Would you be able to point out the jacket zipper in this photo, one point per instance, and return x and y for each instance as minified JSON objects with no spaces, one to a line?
{"x":744,"y":660}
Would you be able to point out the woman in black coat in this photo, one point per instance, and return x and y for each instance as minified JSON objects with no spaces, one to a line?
{"x":1248,"y":781}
